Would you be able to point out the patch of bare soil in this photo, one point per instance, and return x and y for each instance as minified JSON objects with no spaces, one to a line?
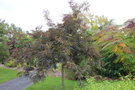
{"x":54,"y":73}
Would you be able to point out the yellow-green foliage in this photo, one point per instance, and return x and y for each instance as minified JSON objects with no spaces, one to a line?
{"x":11,"y":63}
{"x":108,"y":85}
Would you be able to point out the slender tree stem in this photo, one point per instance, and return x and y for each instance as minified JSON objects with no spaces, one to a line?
{"x":62,"y":77}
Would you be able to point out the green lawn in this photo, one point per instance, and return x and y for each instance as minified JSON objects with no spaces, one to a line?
{"x":52,"y":83}
{"x":7,"y":74}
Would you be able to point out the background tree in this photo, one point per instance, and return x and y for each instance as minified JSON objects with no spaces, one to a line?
{"x":4,"y":53}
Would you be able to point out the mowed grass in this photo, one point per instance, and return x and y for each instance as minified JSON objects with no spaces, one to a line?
{"x":52,"y":83}
{"x":7,"y":74}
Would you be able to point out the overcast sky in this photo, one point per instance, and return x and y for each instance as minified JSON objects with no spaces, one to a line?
{"x":28,"y":14}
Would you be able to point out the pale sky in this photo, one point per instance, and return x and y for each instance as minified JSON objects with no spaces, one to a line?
{"x":28,"y":14}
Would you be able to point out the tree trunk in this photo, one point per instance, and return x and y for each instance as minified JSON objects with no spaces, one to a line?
{"x":62,"y":77}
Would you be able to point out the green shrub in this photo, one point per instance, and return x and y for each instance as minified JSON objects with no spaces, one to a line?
{"x":117,"y":50}
{"x":128,"y":77}
{"x":19,"y":65}
{"x":70,"y":74}
{"x":58,"y":67}
{"x":11,"y":63}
